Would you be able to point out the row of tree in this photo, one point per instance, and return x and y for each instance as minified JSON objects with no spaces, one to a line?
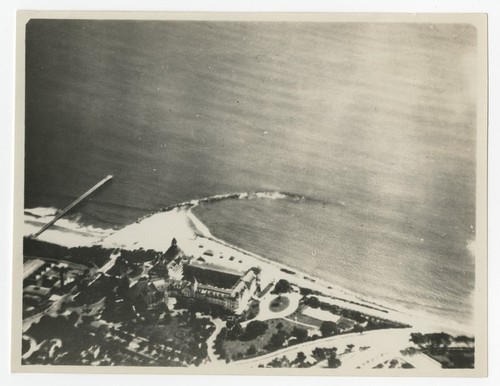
{"x":89,"y":256}
{"x":301,"y":360}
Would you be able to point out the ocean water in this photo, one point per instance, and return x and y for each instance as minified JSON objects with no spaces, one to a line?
{"x":372,"y":124}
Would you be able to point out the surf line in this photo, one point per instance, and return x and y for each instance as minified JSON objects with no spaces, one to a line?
{"x":72,"y":205}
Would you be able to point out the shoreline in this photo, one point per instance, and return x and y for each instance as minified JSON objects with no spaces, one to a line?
{"x":66,"y":233}
{"x":340,"y":296}
{"x":156,"y":230}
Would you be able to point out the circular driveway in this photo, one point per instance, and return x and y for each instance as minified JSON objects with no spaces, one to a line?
{"x":266,"y":310}
{"x":279,"y":304}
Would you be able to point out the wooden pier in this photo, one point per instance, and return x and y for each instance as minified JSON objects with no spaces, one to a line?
{"x":71,"y":206}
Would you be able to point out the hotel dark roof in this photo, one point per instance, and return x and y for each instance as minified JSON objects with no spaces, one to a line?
{"x":212,"y":277}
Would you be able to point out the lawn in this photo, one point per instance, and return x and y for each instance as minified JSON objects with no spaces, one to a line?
{"x":301,"y":318}
{"x":181,"y":339}
{"x":182,"y":332}
{"x":236,"y":349}
{"x":344,"y":324}
{"x":279,"y":304}
{"x":306,"y":319}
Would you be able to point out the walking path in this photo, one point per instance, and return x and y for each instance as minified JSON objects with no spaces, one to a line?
{"x":302,"y":324}
{"x":378,"y":350}
{"x":110,"y":263}
{"x":212,"y":356}
{"x":398,"y":337}
{"x":33,"y":346}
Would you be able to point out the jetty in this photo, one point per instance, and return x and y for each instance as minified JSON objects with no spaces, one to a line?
{"x":72,"y":205}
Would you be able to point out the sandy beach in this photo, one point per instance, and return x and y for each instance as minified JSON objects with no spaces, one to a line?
{"x":157,"y":230}
{"x":65,"y":232}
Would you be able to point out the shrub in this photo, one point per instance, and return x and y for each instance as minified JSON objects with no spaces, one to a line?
{"x":333,"y":361}
{"x":282,"y":286}
{"x":254,"y":329}
{"x":299,"y":333}
{"x":312,"y":302}
{"x":251,"y":350}
{"x":328,"y":328}
{"x":277,"y":340}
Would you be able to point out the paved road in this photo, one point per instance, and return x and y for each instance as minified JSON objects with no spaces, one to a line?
{"x":378,"y":349}
{"x":111,"y":262}
{"x":212,"y":356}
{"x":398,"y":338}
{"x":33,"y":346}
{"x":51,"y":310}
{"x":265,"y":312}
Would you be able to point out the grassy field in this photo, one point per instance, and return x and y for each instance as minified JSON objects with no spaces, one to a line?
{"x":181,"y":339}
{"x":236,"y":349}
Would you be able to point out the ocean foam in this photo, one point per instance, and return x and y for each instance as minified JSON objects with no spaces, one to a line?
{"x":271,"y":195}
{"x":471,"y":247}
{"x":67,"y":232}
{"x":41,"y":212}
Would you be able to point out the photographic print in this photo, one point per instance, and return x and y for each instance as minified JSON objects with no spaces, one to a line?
{"x":239,"y":194}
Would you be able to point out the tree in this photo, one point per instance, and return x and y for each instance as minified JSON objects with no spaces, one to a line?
{"x":469,"y":341}
{"x":439,"y":340}
{"x":328,"y":328}
{"x":73,"y":318}
{"x":319,"y":354}
{"x":357,"y":328}
{"x":300,"y":359}
{"x":277,"y":340}
{"x":417,"y":338}
{"x":251,"y":350}
{"x":299,"y":333}
{"x":305,"y":291}
{"x":254,"y":329}
{"x":312,"y":302}
{"x":123,"y":287}
{"x":409,"y":351}
{"x":235,"y":332}
{"x":333,"y":361}
{"x":282,"y":286}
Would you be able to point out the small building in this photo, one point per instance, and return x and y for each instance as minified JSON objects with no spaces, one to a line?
{"x":175,"y":268}
{"x":37,"y":291}
{"x":160,"y":284}
{"x":145,"y":296}
{"x":319,"y":314}
{"x":31,"y":266}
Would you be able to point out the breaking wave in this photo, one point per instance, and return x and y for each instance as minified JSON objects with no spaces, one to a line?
{"x":35,"y":218}
{"x":41,"y":212}
{"x":269,"y":195}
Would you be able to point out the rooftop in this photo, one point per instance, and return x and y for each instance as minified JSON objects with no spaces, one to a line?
{"x":211,"y":275}
{"x":321,"y":314}
{"x":31,"y":266}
